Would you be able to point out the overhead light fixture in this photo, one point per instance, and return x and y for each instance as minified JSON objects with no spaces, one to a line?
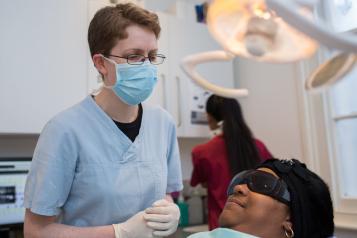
{"x":331,"y":71}
{"x":276,"y":31}
{"x":250,"y":29}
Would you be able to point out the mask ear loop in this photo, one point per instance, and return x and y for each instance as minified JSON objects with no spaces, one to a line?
{"x":97,"y":90}
{"x":101,"y":78}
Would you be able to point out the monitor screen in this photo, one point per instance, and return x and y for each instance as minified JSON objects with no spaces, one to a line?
{"x":13,"y":173}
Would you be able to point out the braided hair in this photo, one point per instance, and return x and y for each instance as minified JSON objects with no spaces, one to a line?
{"x":311,"y":208}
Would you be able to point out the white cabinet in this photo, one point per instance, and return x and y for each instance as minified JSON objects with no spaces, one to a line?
{"x":184,"y":100}
{"x":43,"y":61}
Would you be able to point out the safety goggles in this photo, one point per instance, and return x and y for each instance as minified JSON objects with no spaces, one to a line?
{"x":261,"y":182}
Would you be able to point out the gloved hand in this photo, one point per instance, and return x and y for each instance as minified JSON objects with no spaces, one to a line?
{"x":134,"y":227}
{"x":163,"y":217}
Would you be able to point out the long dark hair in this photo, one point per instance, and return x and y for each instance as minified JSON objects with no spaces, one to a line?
{"x":240,"y":144}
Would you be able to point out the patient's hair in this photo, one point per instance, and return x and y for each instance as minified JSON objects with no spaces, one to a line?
{"x":311,"y":209}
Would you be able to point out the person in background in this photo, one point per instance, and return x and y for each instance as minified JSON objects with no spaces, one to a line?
{"x":278,"y":199}
{"x":104,"y":167}
{"x":231,"y":150}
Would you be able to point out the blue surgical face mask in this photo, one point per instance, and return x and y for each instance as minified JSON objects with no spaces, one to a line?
{"x":134,"y":83}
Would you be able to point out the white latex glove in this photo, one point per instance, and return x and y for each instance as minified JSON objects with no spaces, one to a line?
{"x":134,"y":227}
{"x":163,"y":217}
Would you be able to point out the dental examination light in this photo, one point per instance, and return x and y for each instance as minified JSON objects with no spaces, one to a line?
{"x":276,"y":31}
{"x":331,"y":71}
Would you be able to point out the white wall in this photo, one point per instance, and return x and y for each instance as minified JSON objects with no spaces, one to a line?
{"x":271,"y":109}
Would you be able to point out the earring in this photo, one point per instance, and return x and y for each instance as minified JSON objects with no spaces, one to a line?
{"x":290,"y":233}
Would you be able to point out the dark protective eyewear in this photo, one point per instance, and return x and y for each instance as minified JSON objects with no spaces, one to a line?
{"x":261,"y":182}
{"x":136,"y":59}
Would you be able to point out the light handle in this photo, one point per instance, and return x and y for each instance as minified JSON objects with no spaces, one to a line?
{"x":188,"y":64}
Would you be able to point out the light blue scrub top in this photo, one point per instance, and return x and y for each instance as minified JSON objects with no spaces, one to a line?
{"x":86,"y":170}
{"x":222,"y":233}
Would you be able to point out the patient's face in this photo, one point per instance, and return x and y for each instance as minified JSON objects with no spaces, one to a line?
{"x":254,"y":213}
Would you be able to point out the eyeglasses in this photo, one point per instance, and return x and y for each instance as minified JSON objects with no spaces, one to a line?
{"x":261,"y":182}
{"x":136,"y":59}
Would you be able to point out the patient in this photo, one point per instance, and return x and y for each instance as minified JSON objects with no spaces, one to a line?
{"x":280,"y":199}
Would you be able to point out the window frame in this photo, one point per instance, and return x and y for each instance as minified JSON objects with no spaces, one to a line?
{"x":343,"y":205}
{"x":318,"y":125}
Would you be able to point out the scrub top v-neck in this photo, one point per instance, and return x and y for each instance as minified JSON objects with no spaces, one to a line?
{"x":131,"y":129}
{"x":87,"y":171}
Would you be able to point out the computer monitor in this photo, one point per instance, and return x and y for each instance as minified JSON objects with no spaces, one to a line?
{"x":13,"y":173}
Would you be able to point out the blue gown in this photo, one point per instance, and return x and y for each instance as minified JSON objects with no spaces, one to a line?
{"x":87,"y":171}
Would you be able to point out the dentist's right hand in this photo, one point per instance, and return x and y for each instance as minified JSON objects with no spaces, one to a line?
{"x":134,"y":227}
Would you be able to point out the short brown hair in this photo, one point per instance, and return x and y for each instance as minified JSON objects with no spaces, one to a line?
{"x":109,"y":25}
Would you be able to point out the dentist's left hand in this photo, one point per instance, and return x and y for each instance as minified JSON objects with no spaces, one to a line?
{"x":163,"y":217}
{"x":134,"y":227}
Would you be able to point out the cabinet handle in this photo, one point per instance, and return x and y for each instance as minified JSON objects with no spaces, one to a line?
{"x":179,"y":109}
{"x":164,"y":94}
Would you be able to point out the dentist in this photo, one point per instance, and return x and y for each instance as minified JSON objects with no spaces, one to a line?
{"x":106,"y":166}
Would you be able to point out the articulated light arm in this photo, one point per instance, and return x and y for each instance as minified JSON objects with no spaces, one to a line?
{"x":307,"y":3}
{"x":286,"y":9}
{"x":189,"y":63}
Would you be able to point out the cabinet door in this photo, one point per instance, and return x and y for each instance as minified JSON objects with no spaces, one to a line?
{"x":189,"y":100}
{"x":160,"y":93}
{"x":43,"y":61}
